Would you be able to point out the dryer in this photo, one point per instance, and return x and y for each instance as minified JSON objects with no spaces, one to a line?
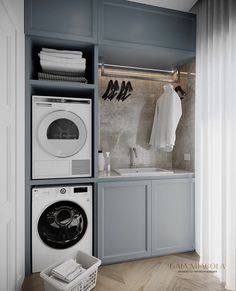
{"x":61,"y":223}
{"x":61,"y":137}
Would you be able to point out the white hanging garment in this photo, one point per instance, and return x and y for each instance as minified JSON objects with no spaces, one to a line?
{"x":166,"y":119}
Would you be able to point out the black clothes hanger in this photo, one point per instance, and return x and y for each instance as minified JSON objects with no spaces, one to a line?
{"x":122,"y":90}
{"x":109,"y":87}
{"x":128,"y":91}
{"x":114,"y":90}
{"x":182,"y":92}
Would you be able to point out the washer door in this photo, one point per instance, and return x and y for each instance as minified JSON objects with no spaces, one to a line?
{"x":62,"y":224}
{"x":62,"y":133}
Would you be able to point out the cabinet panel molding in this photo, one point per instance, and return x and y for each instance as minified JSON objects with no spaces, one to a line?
{"x":172,"y":216}
{"x":133,"y":23}
{"x":124,"y":220}
{"x":66,"y":19}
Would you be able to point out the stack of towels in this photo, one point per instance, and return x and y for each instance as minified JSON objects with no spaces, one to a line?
{"x":67,"y":271}
{"x":62,"y":65}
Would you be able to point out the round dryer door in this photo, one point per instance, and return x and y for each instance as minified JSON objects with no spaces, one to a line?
{"x":62,"y":133}
{"x":62,"y":224}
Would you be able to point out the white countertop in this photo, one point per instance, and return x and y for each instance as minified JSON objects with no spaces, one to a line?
{"x":177,"y":174}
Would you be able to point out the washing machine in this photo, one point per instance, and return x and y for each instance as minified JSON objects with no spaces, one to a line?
{"x":61,"y":137}
{"x":61,"y":223}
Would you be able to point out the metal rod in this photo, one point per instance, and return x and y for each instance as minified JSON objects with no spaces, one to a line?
{"x":138,"y":70}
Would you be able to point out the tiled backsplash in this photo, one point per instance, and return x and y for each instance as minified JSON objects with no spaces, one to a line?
{"x":128,"y":124}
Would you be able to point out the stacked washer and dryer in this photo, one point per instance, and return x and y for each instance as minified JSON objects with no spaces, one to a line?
{"x":61,"y":148}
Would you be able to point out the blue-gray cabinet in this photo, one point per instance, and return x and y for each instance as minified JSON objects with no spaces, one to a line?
{"x":135,"y":24}
{"x":124,"y":220}
{"x":137,"y":35}
{"x":67,"y":19}
{"x":138,"y":219}
{"x":128,"y":33}
{"x":172,"y":216}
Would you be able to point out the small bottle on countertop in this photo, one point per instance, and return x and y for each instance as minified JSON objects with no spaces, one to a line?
{"x":107,"y":163}
{"x":101,"y":161}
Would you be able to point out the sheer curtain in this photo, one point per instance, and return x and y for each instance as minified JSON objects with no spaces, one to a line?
{"x":216,"y":135}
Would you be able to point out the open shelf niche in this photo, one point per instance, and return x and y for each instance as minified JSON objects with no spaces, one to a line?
{"x":35,"y":45}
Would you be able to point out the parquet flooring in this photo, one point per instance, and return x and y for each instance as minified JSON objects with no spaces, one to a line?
{"x":155,"y":274}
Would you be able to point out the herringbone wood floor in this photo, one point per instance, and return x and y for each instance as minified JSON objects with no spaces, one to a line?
{"x":156,"y":274}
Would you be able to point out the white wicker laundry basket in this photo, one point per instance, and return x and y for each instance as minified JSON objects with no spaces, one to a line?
{"x":85,"y":282}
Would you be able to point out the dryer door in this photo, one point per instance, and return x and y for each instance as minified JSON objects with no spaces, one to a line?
{"x":62,"y":133}
{"x":62,"y":224}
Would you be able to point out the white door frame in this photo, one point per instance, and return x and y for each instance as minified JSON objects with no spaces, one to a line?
{"x":14,"y":11}
{"x":20,"y":147}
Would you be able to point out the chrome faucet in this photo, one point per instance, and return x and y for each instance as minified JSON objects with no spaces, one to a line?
{"x":133,"y":155}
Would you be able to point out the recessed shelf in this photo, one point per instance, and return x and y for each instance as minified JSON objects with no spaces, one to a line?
{"x":60,"y":84}
{"x":35,"y":45}
{"x":64,"y":89}
{"x":62,"y":181}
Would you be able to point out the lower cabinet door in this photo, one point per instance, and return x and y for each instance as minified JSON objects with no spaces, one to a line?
{"x":124,"y":220}
{"x":172,"y":216}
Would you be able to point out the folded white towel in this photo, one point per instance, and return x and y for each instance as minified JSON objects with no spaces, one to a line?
{"x":53,"y":66}
{"x":65,"y":73}
{"x":53,"y":77}
{"x":57,"y":60}
{"x":64,"y":52}
{"x":61,"y":59}
{"x":166,"y":119}
{"x":67,"y":271}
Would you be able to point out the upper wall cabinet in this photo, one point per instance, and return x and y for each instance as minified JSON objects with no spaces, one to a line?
{"x":128,"y":33}
{"x":136,"y":35}
{"x":132,"y":24}
{"x":67,"y":19}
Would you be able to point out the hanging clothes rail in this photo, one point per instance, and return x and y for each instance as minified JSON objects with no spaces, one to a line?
{"x":117,"y":71}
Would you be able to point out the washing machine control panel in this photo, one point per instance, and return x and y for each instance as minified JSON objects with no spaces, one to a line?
{"x":42,"y":194}
{"x":80,"y":189}
{"x":75,"y":190}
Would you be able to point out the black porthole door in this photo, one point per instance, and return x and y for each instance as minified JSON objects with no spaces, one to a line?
{"x":62,"y":128}
{"x":62,"y":224}
{"x":62,"y":133}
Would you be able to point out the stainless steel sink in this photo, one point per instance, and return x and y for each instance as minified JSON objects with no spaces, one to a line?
{"x":142,"y":172}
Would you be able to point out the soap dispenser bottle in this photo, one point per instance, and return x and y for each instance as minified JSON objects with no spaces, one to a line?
{"x":107,"y":163}
{"x":101,"y":161}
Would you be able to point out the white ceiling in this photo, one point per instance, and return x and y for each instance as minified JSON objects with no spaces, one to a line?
{"x":182,"y":5}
